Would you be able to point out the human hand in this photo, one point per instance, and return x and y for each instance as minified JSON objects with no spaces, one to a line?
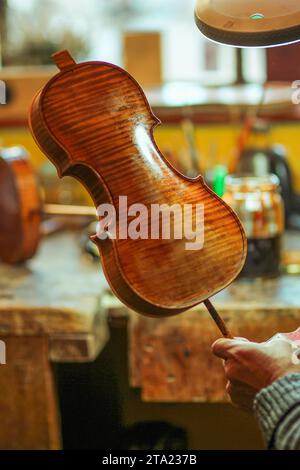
{"x":250,"y":367}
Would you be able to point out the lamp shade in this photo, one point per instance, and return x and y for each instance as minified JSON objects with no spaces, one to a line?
{"x":249,"y":23}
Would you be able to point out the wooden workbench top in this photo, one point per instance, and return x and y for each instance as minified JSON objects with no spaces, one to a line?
{"x":56,"y":294}
{"x":63,"y":295}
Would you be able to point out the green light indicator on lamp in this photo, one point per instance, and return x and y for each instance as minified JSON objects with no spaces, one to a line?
{"x":257,"y":16}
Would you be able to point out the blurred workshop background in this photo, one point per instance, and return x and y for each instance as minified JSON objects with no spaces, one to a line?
{"x":86,"y":373}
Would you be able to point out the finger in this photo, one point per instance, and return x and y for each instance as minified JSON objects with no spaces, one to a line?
{"x":244,"y":340}
{"x":278,"y":342}
{"x":241,"y":397}
{"x":242,"y":387}
{"x":221,"y":347}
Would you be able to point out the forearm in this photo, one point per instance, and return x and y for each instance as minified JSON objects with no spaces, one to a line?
{"x":277,"y":408}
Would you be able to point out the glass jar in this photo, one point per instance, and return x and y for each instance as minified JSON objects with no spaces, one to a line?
{"x":259,"y":205}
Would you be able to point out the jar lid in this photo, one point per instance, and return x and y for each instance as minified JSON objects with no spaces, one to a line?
{"x":251,"y":183}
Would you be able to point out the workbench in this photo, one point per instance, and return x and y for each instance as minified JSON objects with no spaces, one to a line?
{"x":55,"y":309}
{"x":49,"y":312}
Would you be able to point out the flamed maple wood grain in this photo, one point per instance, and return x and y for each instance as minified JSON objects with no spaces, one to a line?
{"x":94,"y":122}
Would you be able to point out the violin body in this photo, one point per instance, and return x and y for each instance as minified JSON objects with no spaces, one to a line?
{"x":20,"y":206}
{"x":93,"y":121}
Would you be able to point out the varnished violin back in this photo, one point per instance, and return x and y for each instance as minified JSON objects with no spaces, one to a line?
{"x":94,"y":122}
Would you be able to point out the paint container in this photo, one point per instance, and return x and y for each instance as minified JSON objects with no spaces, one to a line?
{"x":259,"y":205}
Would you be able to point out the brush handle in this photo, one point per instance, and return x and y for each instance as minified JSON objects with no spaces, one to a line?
{"x":217,"y":319}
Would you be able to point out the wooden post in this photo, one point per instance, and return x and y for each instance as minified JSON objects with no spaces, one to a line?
{"x":28,"y":409}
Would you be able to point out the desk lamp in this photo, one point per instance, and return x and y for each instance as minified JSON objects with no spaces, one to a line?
{"x":249,"y":23}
